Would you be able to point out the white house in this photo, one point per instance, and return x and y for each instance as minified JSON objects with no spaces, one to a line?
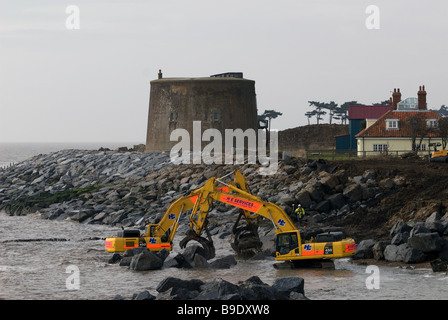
{"x":409,"y":126}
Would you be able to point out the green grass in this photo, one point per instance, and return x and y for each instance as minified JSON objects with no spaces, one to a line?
{"x":45,"y":199}
{"x":331,"y":155}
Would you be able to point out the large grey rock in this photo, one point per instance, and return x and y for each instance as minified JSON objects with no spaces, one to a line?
{"x":435,"y":226}
{"x":378,"y":249}
{"x":200,"y":262}
{"x":172,"y":282}
{"x":289,"y":284}
{"x":144,"y":295}
{"x":419,"y":228}
{"x":394,"y":253}
{"x":336,"y":201}
{"x":146,"y":260}
{"x":403,"y":253}
{"x":190,"y":251}
{"x":400,"y":238}
{"x":364,"y":250}
{"x":255,"y":289}
{"x":426,"y":242}
{"x":303,"y":197}
{"x":439,"y":265}
{"x":218,"y":289}
{"x":315,"y":190}
{"x":329,"y":182}
{"x":399,"y":227}
{"x":434,"y":217}
{"x":353,"y":192}
{"x":443,"y":253}
{"x":224,"y":262}
{"x":412,"y":255}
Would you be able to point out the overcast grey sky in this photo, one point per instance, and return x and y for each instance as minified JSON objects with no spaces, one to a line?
{"x":92,"y":84}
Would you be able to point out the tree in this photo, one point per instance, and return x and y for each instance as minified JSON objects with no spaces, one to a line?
{"x":310,"y":114}
{"x":318,"y":112}
{"x":341,"y":112}
{"x":418,"y":130}
{"x":443,"y":111}
{"x":270,"y":114}
{"x":332,"y":106}
{"x":382,"y":103}
{"x":443,"y":130}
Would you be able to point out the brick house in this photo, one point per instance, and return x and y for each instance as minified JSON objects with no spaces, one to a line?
{"x":409,"y":126}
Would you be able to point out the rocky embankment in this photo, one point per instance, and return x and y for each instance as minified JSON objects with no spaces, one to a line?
{"x":171,"y":288}
{"x":411,"y":243}
{"x":126,"y":188}
{"x":290,"y":288}
{"x":383,"y":204}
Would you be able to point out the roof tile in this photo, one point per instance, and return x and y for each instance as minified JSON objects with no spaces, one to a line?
{"x":405,"y":129}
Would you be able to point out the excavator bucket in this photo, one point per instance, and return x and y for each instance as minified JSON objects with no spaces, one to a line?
{"x":209,"y":248}
{"x":246,"y":241}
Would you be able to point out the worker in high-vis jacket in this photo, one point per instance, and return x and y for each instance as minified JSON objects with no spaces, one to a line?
{"x":300,"y":213}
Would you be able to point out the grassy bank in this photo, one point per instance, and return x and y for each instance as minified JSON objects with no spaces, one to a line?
{"x":44,"y":199}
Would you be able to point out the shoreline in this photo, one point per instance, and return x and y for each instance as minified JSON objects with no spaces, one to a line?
{"x":393,"y":264}
{"x":126,"y":188}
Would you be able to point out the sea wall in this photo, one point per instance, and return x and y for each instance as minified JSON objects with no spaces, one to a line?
{"x":128,"y":188}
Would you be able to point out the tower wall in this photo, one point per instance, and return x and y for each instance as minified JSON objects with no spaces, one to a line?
{"x":218,"y":102}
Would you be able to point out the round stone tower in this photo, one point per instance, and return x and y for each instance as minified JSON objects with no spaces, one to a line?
{"x":222,"y":101}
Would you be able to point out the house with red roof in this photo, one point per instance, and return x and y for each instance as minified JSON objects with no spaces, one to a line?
{"x":408,"y":126}
{"x":359,"y":116}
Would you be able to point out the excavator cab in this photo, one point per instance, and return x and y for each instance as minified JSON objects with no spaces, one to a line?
{"x":287,"y":243}
{"x":438,"y":155}
{"x":154,"y":242}
{"x":322,"y":246}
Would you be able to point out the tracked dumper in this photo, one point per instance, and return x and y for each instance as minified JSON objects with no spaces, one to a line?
{"x":290,"y":245}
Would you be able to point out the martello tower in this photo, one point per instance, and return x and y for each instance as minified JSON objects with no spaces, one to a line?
{"x":222,"y":101}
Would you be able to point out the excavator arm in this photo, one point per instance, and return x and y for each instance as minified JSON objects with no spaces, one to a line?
{"x":160,"y":235}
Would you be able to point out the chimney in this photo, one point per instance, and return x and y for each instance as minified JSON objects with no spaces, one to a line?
{"x":160,"y":74}
{"x":421,"y":98}
{"x":396,"y":97}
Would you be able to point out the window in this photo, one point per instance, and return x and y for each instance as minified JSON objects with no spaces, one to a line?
{"x":287,"y":242}
{"x":432,"y":123}
{"x":392,"y":124}
{"x":408,"y":104}
{"x":173,"y":116}
{"x":420,"y":147}
{"x":216,"y":116}
{"x":380,"y":147}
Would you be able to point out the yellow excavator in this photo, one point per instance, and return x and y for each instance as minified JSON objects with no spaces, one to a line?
{"x":289,"y":243}
{"x":438,"y":155}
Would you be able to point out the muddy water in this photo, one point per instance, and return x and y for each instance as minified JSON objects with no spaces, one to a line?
{"x":43,"y":269}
